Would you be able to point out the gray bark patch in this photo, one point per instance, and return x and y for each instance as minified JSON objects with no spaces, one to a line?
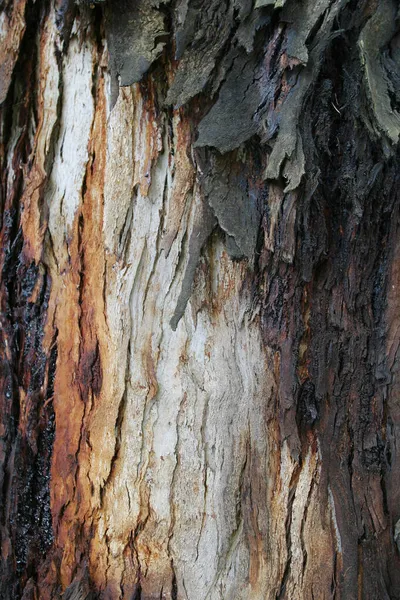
{"x":134,"y":30}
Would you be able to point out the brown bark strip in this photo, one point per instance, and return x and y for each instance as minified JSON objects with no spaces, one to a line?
{"x":12,"y":30}
{"x":198,"y":300}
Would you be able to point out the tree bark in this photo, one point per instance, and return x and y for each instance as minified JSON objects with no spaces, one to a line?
{"x":200,"y":306}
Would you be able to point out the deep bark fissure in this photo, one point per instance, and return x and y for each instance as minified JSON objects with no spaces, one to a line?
{"x":199,"y":318}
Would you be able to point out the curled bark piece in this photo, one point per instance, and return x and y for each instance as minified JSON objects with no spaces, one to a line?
{"x":135,"y":33}
{"x":375,"y":36}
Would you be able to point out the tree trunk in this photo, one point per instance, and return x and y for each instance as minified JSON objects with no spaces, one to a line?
{"x":200,"y":306}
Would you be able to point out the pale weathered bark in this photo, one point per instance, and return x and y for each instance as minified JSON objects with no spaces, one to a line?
{"x":200,"y":312}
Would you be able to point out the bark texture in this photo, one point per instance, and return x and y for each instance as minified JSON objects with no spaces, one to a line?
{"x":200,"y":307}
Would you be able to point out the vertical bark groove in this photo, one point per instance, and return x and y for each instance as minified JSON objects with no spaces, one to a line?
{"x":199,"y":300}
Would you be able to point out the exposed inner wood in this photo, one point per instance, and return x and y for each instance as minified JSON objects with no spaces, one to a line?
{"x":200,"y":308}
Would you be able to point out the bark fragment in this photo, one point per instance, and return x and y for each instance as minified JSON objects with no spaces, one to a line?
{"x":250,"y":450}
{"x":12,"y":28}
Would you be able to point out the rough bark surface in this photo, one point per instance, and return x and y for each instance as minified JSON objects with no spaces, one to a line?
{"x":200,"y":307}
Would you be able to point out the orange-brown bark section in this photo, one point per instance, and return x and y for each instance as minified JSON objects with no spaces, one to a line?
{"x":248,"y":452}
